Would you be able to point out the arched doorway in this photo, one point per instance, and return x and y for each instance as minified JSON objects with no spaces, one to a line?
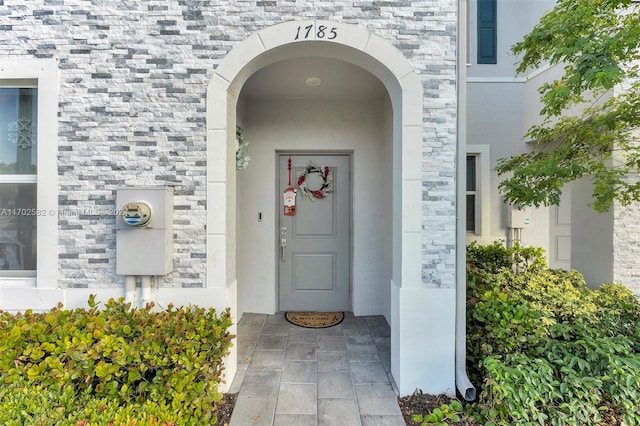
{"x":346,"y":114}
{"x":399,"y":112}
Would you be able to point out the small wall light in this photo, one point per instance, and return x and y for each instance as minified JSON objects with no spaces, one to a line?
{"x":313,"y":81}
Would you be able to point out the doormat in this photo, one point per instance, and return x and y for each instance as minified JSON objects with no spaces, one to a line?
{"x":314,"y":319}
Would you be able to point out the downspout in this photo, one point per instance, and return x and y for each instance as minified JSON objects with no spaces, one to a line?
{"x":464,"y":385}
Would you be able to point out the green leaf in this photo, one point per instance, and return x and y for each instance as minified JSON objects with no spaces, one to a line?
{"x":456,"y":406}
{"x":596,"y":43}
{"x":92,"y":301}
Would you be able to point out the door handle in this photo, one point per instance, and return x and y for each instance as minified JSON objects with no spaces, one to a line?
{"x":283,"y":245}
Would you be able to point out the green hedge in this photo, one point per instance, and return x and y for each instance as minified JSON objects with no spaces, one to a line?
{"x":544,"y":348}
{"x":112,"y":365}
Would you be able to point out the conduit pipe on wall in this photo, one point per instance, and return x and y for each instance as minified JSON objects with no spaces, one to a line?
{"x":146,"y":291}
{"x":464,"y":385}
{"x":145,"y":294}
{"x":130,"y":289}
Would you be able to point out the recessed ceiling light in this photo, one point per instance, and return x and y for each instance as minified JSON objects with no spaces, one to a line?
{"x":313,"y":81}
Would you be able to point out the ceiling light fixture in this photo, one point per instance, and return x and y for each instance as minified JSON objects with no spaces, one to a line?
{"x":313,"y":81}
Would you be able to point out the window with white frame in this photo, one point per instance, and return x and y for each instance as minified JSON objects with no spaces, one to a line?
{"x":28,"y":172}
{"x":18,"y":168}
{"x":472,"y":192}
{"x":477,"y":189}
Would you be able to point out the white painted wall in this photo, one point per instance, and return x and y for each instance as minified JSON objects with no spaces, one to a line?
{"x":425,"y":340}
{"x":358,"y":126}
{"x":498,"y":116}
{"x":591,"y":237}
{"x":515,"y":19}
{"x":501,"y":108}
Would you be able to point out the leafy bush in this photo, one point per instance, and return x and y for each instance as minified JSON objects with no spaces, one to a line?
{"x":496,"y":257}
{"x":25,"y":404}
{"x":544,"y":348}
{"x":558,"y":295}
{"x":497,"y":322}
{"x":114,"y":365}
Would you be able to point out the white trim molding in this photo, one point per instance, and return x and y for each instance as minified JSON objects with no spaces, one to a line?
{"x":45,"y":74}
{"x":483,"y":187}
{"x":510,"y":79}
{"x":359,"y":47}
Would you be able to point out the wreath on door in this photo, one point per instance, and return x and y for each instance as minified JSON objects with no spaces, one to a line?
{"x":326,"y":178}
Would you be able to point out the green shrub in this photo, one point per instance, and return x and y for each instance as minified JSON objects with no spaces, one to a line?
{"x":24,"y":404}
{"x":570,"y":378}
{"x":558,"y":295}
{"x":618,"y":312}
{"x":112,"y":365}
{"x":544,"y":348}
{"x":497,"y":322}
{"x":495,"y":257}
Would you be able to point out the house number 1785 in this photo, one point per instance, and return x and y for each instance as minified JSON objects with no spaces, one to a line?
{"x":322,"y":31}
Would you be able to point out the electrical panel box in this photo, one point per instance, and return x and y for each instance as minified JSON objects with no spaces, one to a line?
{"x":144,"y":231}
{"x":518,"y":217}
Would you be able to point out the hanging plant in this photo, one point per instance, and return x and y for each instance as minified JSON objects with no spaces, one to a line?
{"x":242,"y":159}
{"x":326,"y":178}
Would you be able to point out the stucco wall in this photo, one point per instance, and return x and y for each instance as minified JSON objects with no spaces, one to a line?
{"x":354,"y":126}
{"x":133,"y":79}
{"x":501,"y":108}
{"x":515,"y":19}
{"x":591,"y":237}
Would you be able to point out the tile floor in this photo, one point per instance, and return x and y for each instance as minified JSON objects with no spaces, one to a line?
{"x":289,"y":375}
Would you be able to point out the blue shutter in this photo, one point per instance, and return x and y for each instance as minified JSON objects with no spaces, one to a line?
{"x":487,"y":32}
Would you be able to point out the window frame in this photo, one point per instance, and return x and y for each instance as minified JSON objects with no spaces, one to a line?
{"x":18,"y":178}
{"x":43,"y":74}
{"x":472,"y":192}
{"x":482,"y":191}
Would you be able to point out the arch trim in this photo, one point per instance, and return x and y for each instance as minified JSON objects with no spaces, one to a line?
{"x":368,"y":51}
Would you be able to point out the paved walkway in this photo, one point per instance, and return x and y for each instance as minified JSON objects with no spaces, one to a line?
{"x":289,"y":375}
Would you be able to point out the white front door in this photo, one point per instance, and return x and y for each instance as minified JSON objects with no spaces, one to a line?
{"x":315,"y":244}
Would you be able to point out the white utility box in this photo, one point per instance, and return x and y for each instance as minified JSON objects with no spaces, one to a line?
{"x":518,"y":217}
{"x":144,"y":231}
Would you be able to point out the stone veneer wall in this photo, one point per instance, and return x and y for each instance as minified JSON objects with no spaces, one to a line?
{"x":626,"y":229}
{"x":133,"y":79}
{"x":626,"y":244}
{"x":626,"y":247}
